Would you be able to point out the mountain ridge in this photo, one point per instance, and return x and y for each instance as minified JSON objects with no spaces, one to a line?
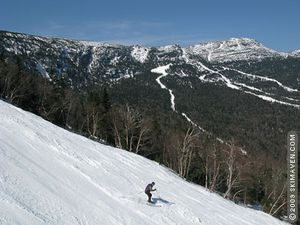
{"x":82,"y":63}
{"x":99,"y":43}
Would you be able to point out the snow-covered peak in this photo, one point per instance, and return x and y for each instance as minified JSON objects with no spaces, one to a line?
{"x":92,"y":43}
{"x":51,"y":176}
{"x":295,"y":53}
{"x":243,"y":41}
{"x":140,"y":53}
{"x":169,"y":48}
{"x":233,"y":49}
{"x":97,"y":44}
{"x":233,"y":43}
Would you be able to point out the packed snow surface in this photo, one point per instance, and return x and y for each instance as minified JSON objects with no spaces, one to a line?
{"x":51,"y":176}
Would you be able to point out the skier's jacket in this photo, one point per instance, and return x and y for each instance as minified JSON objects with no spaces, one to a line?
{"x":149,"y":188}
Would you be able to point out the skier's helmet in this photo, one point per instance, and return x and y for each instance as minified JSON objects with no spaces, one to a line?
{"x":153,"y":183}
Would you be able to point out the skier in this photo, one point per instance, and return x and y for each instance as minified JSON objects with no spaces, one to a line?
{"x":148,"y":189}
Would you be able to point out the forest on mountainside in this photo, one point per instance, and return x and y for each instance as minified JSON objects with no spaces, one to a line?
{"x":134,"y":114}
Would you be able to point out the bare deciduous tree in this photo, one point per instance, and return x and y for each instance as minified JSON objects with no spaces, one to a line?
{"x":131,"y":129}
{"x":145,"y":126}
{"x":179,"y":149}
{"x":234,"y":165}
{"x":187,"y":150}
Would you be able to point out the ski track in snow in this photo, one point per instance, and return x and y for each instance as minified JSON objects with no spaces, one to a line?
{"x":50,"y":176}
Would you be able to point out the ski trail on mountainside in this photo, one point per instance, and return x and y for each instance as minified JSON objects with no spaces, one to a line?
{"x":265,"y":96}
{"x":262,"y":78}
{"x":237,"y":86}
{"x":162,"y":70}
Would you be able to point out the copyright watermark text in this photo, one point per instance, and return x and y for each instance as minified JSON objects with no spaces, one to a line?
{"x":292,"y":176}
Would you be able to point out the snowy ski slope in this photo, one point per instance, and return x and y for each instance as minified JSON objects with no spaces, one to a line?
{"x":51,"y":176}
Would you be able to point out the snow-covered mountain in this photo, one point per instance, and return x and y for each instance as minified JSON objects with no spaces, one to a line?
{"x":93,"y":61}
{"x":51,"y":176}
{"x":82,"y":63}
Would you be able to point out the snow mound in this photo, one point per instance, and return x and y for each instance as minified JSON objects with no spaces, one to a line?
{"x":51,"y":176}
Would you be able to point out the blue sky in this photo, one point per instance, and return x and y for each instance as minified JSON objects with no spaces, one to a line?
{"x":275,"y":23}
